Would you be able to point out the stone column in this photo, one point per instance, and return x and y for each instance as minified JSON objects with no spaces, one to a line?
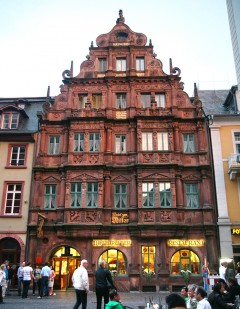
{"x":179,"y":191}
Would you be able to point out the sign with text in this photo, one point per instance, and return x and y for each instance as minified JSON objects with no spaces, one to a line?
{"x":112,"y":242}
{"x":120,"y":217}
{"x":235,"y":231}
{"x":185,"y":242}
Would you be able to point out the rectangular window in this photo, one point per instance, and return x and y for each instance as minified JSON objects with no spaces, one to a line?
{"x":94,"y":142}
{"x":162,"y":141}
{"x":148,"y":261}
{"x":120,"y":146}
{"x":146,"y":100}
{"x":147,"y":141}
{"x":18,"y":156}
{"x":78,"y":142}
{"x":188,"y":143}
{"x":147,"y":195}
{"x":10,"y":121}
{"x":13,"y":199}
{"x":192,"y":195}
{"x":96,"y":101}
{"x":165,"y":194}
{"x":102,"y":64}
{"x":160,"y":99}
{"x":237,"y":141}
{"x":121,"y":64}
{"x":76,"y":195}
{"x":54,"y":145}
{"x":120,"y":196}
{"x":121,"y":100}
{"x":140,"y":64}
{"x":92,"y":194}
{"x":49,"y":197}
{"x":82,"y":100}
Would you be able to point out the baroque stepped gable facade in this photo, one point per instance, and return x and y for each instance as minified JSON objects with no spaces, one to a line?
{"x":122,"y":171}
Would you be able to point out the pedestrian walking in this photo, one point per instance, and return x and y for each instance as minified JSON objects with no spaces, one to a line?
{"x":81,"y":285}
{"x":45,"y":275}
{"x":51,"y":281}
{"x":103,"y":283}
{"x":27,"y":278}
{"x":20,"y":278}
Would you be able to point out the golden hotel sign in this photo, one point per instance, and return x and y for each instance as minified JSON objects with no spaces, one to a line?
{"x":185,"y":242}
{"x":112,"y":243}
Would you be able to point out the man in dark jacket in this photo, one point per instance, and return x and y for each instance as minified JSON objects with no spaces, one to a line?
{"x":233,"y":290}
{"x":103,"y":280}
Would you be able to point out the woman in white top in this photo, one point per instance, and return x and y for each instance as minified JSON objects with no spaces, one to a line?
{"x":27,"y":278}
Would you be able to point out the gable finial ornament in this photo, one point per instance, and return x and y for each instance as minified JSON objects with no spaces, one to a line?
{"x":121,"y":19}
{"x":47,"y":105}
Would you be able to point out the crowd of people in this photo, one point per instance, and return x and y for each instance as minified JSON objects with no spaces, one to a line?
{"x":40,"y":278}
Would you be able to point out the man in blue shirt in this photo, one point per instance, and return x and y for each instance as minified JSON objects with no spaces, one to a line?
{"x":45,"y":274}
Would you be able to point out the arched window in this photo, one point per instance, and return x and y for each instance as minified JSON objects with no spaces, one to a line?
{"x":185,"y":260}
{"x":116,"y":262}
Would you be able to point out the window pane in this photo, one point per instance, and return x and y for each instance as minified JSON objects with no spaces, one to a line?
{"x":146,"y":100}
{"x":50,"y":197}
{"x":18,"y":155}
{"x":160,"y":99}
{"x":121,"y":64}
{"x":120,"y":144}
{"x":188,"y":143}
{"x":163,"y":142}
{"x":92,"y":195}
{"x":120,"y":196}
{"x":78,"y":142}
{"x":140,"y":64}
{"x":82,"y":99}
{"x":102,"y":64}
{"x":165,"y":194}
{"x":97,"y":101}
{"x":13,"y":199}
{"x":147,"y":141}
{"x":147,"y":195}
{"x":148,"y":261}
{"x":121,"y":100}
{"x":192,"y":195}
{"x":94,"y":142}
{"x":76,"y":195}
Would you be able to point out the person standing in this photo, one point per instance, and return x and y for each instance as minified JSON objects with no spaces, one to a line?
{"x":103,"y":276}
{"x":2,"y":282}
{"x":222,"y":270}
{"x":37,"y":280}
{"x":45,"y":275}
{"x":20,"y":278}
{"x":202,"y":302}
{"x":51,"y":281}
{"x":27,"y":278}
{"x":216,"y":298}
{"x":191,"y":302}
{"x":81,"y":285}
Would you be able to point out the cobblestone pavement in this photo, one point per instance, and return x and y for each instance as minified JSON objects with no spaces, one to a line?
{"x":65,"y":300}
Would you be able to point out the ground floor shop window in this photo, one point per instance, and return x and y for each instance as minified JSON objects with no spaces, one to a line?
{"x":148,"y":261}
{"x":116,"y":262}
{"x":185,"y":260}
{"x":65,"y":260}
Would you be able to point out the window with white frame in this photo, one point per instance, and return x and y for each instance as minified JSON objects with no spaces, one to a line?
{"x":140,"y":64}
{"x":82,"y":100}
{"x":102,"y":64}
{"x":121,"y":100}
{"x":165,"y":194}
{"x":54,"y":145}
{"x":76,"y":195}
{"x":9,"y":120}
{"x":94,"y":142}
{"x":147,"y":141}
{"x":13,"y":199}
{"x":97,"y":101}
{"x":147,"y":194}
{"x":188,"y":143}
{"x":78,"y":142}
{"x":92,"y":194}
{"x":120,"y":143}
{"x":120,"y":196}
{"x":192,"y":198}
{"x":160,"y":99}
{"x":237,"y":142}
{"x":49,"y":196}
{"x":146,"y":100}
{"x":162,"y":141}
{"x":18,"y":155}
{"x":121,"y":64}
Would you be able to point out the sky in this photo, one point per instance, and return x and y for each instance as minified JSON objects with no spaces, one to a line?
{"x":40,"y":38}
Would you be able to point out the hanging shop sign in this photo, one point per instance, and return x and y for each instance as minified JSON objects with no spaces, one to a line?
{"x":185,"y":242}
{"x":112,"y":242}
{"x":120,"y":217}
{"x":235,"y":231}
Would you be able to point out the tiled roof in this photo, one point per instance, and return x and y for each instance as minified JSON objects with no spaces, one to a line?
{"x":213,"y":100}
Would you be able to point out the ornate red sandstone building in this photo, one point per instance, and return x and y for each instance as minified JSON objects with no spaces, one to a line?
{"x":123,"y":172}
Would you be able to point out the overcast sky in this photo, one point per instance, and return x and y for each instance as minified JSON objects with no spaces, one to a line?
{"x":40,"y":38}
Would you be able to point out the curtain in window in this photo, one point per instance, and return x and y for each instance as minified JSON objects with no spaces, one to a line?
{"x":189,"y":145}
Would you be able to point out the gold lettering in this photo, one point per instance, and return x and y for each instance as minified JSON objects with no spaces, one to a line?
{"x":185,"y":242}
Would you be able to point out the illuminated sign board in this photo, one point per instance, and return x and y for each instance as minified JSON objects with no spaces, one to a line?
{"x":111,"y":242}
{"x":235,"y":231}
{"x":120,"y":217}
{"x":185,"y":242}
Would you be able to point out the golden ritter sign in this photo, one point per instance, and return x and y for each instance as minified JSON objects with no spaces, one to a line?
{"x":185,"y":242}
{"x":112,"y":242}
{"x":120,"y":217}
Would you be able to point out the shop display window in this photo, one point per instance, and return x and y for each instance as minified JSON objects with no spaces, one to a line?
{"x":148,"y":260}
{"x":185,"y":260}
{"x":116,"y":262}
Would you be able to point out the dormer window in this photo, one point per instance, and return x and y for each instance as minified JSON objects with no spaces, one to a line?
{"x":140,"y":66}
{"x":9,"y":120}
{"x":121,"y":64}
